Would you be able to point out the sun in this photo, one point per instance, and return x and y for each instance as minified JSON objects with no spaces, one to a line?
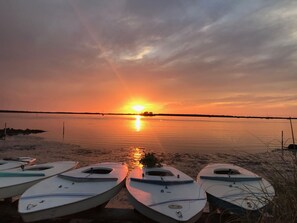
{"x":138,"y":108}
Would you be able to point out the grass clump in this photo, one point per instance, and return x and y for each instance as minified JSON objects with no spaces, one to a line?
{"x":150,"y":160}
{"x":283,"y":177}
{"x":281,"y":172}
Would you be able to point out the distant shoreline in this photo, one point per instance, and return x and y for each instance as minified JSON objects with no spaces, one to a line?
{"x":151,"y":114}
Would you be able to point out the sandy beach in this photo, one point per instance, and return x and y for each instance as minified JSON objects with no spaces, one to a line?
{"x":119,"y":209}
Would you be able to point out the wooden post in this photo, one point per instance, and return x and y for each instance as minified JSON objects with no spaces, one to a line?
{"x":63,"y":130}
{"x":5,"y":131}
{"x":282,"y":143}
{"x":292,"y":131}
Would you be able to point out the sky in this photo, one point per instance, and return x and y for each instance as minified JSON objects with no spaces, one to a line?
{"x":170,"y":56}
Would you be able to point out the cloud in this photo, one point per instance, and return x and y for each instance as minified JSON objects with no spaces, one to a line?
{"x":138,"y":55}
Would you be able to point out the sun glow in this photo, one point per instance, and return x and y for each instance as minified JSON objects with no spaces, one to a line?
{"x":138,"y":108}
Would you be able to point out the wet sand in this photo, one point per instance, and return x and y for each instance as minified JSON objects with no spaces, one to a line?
{"x":119,"y":209}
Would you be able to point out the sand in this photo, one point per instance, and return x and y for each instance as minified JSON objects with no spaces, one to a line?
{"x":119,"y":209}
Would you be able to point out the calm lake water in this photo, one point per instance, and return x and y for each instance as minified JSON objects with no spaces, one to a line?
{"x":160,"y":134}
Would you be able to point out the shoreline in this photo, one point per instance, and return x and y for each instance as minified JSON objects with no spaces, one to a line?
{"x":189,"y":163}
{"x":150,"y":114}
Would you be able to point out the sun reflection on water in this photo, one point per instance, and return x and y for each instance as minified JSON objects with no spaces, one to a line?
{"x":137,"y":123}
{"x":137,"y":154}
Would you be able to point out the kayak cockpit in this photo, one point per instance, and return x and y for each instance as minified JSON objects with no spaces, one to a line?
{"x":98,"y":170}
{"x":93,"y":173}
{"x":38,"y":168}
{"x":228,"y":171}
{"x":159,"y":172}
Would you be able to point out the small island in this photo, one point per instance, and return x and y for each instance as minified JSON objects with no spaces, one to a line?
{"x":146,"y":113}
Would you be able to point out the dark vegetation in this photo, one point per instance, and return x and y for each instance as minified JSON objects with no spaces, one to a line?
{"x":150,"y":160}
{"x":12,"y":132}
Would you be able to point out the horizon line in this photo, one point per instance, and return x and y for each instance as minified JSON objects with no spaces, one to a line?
{"x":149,"y":114}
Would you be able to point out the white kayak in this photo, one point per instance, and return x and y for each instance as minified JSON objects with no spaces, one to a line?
{"x":72,"y":192}
{"x":234,"y":188}
{"x":10,"y":163}
{"x":165,"y":194}
{"x":14,"y":182}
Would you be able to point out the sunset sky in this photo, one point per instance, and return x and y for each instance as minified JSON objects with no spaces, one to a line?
{"x":207,"y":57}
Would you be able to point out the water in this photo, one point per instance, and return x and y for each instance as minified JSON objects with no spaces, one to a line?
{"x":160,"y":134}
